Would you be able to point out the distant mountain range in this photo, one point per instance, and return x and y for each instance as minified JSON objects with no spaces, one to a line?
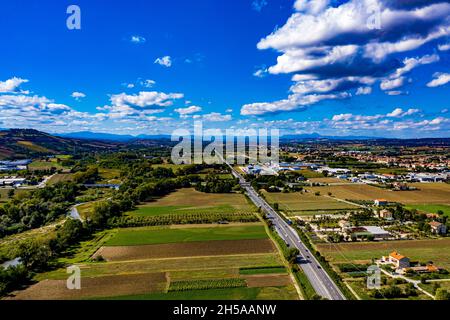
{"x":26,"y":143}
{"x":126,"y":138}
{"x":110,"y":136}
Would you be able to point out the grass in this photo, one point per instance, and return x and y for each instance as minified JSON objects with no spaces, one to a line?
{"x":188,"y":201}
{"x":275,"y":293}
{"x":434,"y":193}
{"x":188,"y":285}
{"x":262,"y":270}
{"x":45,"y":165}
{"x":142,"y":236}
{"x":297,"y":203}
{"x":63,"y":177}
{"x":431,"y":208}
{"x":4,"y":193}
{"x":417,"y":250}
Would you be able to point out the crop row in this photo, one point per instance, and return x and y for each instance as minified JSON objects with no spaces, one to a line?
{"x":206,"y":284}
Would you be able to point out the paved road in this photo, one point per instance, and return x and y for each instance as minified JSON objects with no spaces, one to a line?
{"x":320,"y":280}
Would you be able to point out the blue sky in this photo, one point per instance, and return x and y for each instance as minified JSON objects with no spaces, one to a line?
{"x":367,"y":67}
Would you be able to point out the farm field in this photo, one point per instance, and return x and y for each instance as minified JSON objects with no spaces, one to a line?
{"x":4,"y":193}
{"x":298,"y":203}
{"x":60,"y":177}
{"x":434,"y":193}
{"x":188,"y":249}
{"x":216,"y":271}
{"x":417,"y":250}
{"x":45,"y":165}
{"x":161,"y":235}
{"x":431,"y":208}
{"x":269,"y":293}
{"x":328,"y":180}
{"x":188,"y":200}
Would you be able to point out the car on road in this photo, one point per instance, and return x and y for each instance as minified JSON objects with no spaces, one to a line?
{"x":319,"y":267}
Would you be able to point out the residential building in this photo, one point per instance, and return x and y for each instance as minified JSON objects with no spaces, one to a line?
{"x":386,"y":214}
{"x":380,"y":202}
{"x":438,"y":228}
{"x":398,"y":260}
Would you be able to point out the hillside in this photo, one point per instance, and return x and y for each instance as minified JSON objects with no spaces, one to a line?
{"x":24,"y":143}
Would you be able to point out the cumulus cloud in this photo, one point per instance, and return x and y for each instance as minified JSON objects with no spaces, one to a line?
{"x":216,"y":117}
{"x":440,"y":79}
{"x":78,"y":95}
{"x":334,"y":47}
{"x":148,"y":83}
{"x":187,"y":111}
{"x":137,"y":39}
{"x":165,"y":61}
{"x":294,"y":102}
{"x":11,"y":85}
{"x":398,"y":112}
{"x":260,"y":73}
{"x":363,"y":91}
{"x":444,"y":47}
{"x":145,"y":99}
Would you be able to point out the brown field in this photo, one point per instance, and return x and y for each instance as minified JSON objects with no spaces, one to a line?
{"x":304,"y":202}
{"x":328,"y":180}
{"x":61,"y":177}
{"x":189,"y":249}
{"x":267,"y":280}
{"x":191,"y":197}
{"x":417,"y":250}
{"x":107,"y":286}
{"x":428,"y":192}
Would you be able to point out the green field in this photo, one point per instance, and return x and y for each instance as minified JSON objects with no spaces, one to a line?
{"x":45,"y":165}
{"x":431,"y":208}
{"x":189,"y":201}
{"x":149,"y":235}
{"x":417,"y":250}
{"x":270,"y":293}
{"x":263,"y":270}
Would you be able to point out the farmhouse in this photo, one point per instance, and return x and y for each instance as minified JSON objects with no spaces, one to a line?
{"x":367,"y":232}
{"x":397,"y":260}
{"x":380,"y":202}
{"x":438,"y":228}
{"x":386,"y":214}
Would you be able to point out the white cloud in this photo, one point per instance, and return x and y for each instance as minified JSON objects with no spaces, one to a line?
{"x":439,"y":80}
{"x":11,"y":85}
{"x":78,"y":95}
{"x":293,"y":102}
{"x":260,"y":73}
{"x":392,"y":84}
{"x":165,"y":61}
{"x":229,"y":110}
{"x":216,"y":117}
{"x":398,"y":113}
{"x":188,"y":110}
{"x":148,"y":83}
{"x":363,"y":91}
{"x":137,"y":39}
{"x":444,"y":47}
{"x":145,"y":99}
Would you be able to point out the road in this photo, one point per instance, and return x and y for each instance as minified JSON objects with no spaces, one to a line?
{"x":320,"y":280}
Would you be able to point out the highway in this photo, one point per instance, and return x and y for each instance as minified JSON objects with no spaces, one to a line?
{"x":320,"y":280}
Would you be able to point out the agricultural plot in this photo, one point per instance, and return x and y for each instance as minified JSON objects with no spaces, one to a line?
{"x":189,"y":201}
{"x":417,"y":250}
{"x":188,"y":249}
{"x":161,"y":235}
{"x":297,"y":203}
{"x":199,"y":264}
{"x":434,"y":193}
{"x":431,"y":208}
{"x":328,"y":180}
{"x":45,"y":165}
{"x":60,"y":177}
{"x":96,"y":287}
